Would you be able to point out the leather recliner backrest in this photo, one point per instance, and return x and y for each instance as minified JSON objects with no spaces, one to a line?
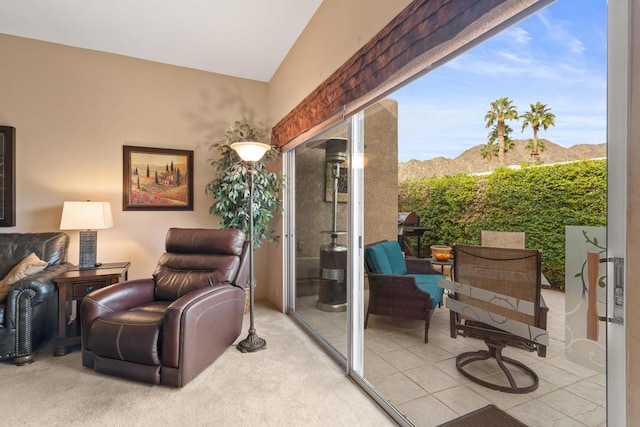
{"x":196,"y":258}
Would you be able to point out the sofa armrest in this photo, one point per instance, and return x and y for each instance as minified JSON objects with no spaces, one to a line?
{"x":390,"y":291}
{"x":41,"y":284}
{"x":420,"y":266}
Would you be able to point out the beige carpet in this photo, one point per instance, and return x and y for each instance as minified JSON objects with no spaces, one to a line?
{"x":291,"y":383}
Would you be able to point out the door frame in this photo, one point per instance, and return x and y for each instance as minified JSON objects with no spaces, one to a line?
{"x":618,"y":99}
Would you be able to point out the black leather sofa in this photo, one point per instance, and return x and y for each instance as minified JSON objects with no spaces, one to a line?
{"x":28,"y":316}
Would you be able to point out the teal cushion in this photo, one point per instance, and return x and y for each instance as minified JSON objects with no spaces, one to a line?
{"x":429,"y":283}
{"x":394,"y":254}
{"x":377,"y":260}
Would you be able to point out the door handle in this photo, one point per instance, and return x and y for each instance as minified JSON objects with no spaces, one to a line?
{"x":618,"y":290}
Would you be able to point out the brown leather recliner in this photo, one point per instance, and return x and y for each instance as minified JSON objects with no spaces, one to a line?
{"x":169,"y":328}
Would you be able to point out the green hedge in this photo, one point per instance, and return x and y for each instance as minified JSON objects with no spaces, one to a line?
{"x":539,"y":200}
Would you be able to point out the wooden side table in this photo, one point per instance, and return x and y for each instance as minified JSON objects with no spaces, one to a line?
{"x":72,"y":287}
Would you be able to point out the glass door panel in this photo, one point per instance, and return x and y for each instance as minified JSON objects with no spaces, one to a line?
{"x":320,"y":233}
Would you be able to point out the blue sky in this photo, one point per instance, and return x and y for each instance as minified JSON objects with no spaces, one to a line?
{"x":556,"y":56}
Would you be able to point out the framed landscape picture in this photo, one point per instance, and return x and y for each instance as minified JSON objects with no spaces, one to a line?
{"x":157,"y":179}
{"x":7,"y":176}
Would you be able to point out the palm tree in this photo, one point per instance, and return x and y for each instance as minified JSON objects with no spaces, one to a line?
{"x":490,"y":149}
{"x":502,"y":109}
{"x":508,"y":142}
{"x":539,"y":115}
{"x":542,"y":145}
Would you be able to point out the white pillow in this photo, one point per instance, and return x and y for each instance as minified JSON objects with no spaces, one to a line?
{"x":29,"y":265}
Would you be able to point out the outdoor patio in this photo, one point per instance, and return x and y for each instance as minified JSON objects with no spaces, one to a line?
{"x":422,"y":381}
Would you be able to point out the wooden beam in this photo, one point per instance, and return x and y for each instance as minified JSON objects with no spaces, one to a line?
{"x":421,"y":27}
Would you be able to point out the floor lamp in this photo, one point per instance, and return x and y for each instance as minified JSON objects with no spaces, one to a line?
{"x":251,"y":152}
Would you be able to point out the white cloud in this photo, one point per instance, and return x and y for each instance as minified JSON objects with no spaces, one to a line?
{"x":512,"y":57}
{"x":517,"y":34}
{"x":503,"y":63}
{"x":556,"y":30}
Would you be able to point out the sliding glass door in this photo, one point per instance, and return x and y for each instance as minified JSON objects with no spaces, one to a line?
{"x":319,"y":221}
{"x":344,"y":195}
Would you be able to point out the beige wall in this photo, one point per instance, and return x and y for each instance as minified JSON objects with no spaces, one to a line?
{"x":74,"y":109}
{"x":381,"y":171}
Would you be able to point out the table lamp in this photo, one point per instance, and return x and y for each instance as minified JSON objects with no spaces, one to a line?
{"x":87,"y":217}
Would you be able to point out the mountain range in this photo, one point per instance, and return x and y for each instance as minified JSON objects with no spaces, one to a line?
{"x":471,"y":162}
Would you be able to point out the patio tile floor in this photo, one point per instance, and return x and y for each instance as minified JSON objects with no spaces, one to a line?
{"x":422,"y":381}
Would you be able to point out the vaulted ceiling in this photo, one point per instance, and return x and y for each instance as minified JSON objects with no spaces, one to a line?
{"x":241,"y":38}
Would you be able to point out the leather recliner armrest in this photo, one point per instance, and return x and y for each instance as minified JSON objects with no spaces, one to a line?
{"x":119,"y":297}
{"x":200,"y":305}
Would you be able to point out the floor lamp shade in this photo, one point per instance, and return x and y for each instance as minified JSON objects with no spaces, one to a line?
{"x":250,"y":151}
{"x":86,"y":217}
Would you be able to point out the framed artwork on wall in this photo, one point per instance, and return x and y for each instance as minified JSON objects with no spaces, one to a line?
{"x":159,"y":179}
{"x":7,"y":176}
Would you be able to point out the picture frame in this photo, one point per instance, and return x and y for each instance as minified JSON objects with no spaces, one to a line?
{"x":157,"y":179}
{"x":7,"y":176}
{"x":343,"y":179}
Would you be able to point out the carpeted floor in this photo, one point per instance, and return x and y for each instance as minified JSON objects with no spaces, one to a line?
{"x":291,"y":383}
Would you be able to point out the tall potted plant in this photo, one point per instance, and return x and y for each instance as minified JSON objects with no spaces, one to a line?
{"x":229,"y":186}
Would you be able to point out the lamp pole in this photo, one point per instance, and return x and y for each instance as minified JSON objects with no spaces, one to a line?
{"x":251,"y":152}
{"x":252,"y":342}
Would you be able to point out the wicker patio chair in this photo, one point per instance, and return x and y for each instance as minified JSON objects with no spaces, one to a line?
{"x":496,"y":297}
{"x":401,"y":287}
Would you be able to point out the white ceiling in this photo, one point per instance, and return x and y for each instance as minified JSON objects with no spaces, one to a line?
{"x":242,"y":38}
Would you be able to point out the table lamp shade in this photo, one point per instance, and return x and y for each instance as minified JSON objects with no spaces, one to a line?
{"x":86,"y":217}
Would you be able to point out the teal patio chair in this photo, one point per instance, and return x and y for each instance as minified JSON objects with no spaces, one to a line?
{"x":401,"y":287}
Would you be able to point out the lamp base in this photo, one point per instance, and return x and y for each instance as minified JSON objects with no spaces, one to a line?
{"x":251,"y":343}
{"x":88,"y":243}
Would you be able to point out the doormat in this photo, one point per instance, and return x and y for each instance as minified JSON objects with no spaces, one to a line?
{"x":489,"y":416}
